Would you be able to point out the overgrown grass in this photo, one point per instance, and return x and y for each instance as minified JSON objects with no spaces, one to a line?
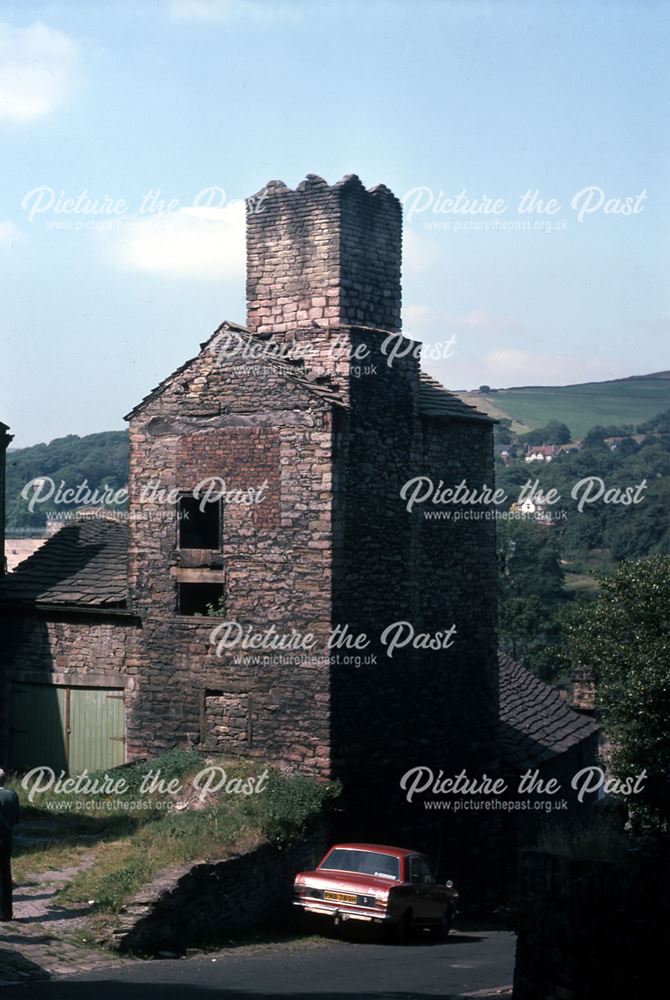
{"x":132,"y":845}
{"x":50,"y":836}
{"x":601,"y":840}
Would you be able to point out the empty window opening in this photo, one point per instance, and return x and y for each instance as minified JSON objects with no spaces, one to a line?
{"x":199,"y":529}
{"x":196,"y":598}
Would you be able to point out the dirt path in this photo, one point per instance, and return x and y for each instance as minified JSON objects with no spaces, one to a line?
{"x":42,"y":939}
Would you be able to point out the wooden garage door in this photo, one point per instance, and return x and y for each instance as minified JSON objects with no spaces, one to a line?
{"x":67,"y":728}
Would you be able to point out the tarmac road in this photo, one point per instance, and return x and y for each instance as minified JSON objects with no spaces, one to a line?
{"x":471,"y":963}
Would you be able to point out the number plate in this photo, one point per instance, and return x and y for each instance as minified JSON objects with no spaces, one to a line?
{"x":339,"y":897}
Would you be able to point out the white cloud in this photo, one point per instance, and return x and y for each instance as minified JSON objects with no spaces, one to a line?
{"x":37,"y":67}
{"x":230,"y":10}
{"x":9,"y":233}
{"x":201,"y":243}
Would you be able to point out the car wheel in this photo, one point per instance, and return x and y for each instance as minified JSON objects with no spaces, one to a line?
{"x":399,"y":933}
{"x":308,"y":923}
{"x":442,"y":929}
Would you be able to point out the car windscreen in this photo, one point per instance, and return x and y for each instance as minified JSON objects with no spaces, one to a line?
{"x":362,"y":862}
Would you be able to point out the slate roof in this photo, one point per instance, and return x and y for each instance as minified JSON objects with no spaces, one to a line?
{"x":436,"y":401}
{"x":536,"y":724}
{"x":83,"y":565}
{"x":293,"y":368}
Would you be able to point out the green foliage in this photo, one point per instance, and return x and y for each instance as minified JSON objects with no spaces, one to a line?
{"x":533,"y":606}
{"x":171,"y":764}
{"x":100,"y":459}
{"x":217,"y":610}
{"x":660,"y":424}
{"x":623,"y":641}
{"x":289,"y":803}
{"x":555,"y":432}
{"x":602,"y":840}
{"x":528,"y":560}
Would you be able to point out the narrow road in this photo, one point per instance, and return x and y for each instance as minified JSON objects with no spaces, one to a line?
{"x":472,"y":964}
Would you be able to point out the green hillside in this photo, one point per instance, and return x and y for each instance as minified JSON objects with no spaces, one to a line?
{"x":96,"y":459}
{"x":581,"y":407}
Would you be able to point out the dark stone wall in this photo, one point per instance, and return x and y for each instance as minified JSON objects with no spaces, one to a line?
{"x":592,"y":930}
{"x":192,"y":904}
{"x":323,"y":255}
{"x":5,"y":440}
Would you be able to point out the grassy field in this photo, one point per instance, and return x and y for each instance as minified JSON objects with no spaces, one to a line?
{"x":581,"y":407}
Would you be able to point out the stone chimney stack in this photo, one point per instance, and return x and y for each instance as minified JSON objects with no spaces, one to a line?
{"x":5,"y":440}
{"x":323,"y":255}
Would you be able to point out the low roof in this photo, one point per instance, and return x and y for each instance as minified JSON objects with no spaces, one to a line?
{"x":536,"y":724}
{"x":293,"y":369}
{"x":436,"y":401}
{"x":82,"y":565}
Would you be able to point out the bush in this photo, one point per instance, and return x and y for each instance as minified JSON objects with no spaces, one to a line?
{"x":623,"y":642}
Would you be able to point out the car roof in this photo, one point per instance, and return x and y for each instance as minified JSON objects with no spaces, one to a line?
{"x":377,"y":848}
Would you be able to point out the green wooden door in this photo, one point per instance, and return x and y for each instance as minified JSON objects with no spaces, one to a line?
{"x":69,"y":729}
{"x":37,"y":727}
{"x":97,"y":729}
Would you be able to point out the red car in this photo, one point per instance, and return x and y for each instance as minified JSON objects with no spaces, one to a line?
{"x":391,"y":886}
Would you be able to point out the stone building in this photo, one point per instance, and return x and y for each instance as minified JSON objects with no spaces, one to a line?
{"x":309,"y":420}
{"x":5,"y":440}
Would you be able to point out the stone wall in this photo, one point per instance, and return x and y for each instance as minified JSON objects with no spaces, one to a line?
{"x":592,"y":930}
{"x":5,"y":440}
{"x":72,"y":649}
{"x":323,"y":255}
{"x":192,"y":904}
{"x":225,"y":418}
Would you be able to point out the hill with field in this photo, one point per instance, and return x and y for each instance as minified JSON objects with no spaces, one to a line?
{"x":631,"y":400}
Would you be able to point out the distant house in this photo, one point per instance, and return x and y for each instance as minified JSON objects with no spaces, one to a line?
{"x":533,"y":508}
{"x":505,"y":452}
{"x":542,"y":452}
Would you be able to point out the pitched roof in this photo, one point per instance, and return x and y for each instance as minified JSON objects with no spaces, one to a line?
{"x":436,"y":401}
{"x":83,"y":565}
{"x":292,"y":368}
{"x":536,"y":724}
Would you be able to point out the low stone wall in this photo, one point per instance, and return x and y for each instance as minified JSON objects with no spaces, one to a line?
{"x":189,"y":904}
{"x":592,"y":930}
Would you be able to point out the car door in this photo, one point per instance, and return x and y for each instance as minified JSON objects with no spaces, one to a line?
{"x":434,"y":895}
{"x":421,"y":903}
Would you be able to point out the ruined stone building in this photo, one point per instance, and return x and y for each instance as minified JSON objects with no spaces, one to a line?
{"x":5,"y":439}
{"x":315,"y":428}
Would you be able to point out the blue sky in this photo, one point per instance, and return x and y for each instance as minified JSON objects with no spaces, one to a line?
{"x":119,"y":99}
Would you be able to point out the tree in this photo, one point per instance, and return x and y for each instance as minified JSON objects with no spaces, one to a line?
{"x":660,"y":424}
{"x":623,"y":641}
{"x":554,"y":432}
{"x":596,"y":437}
{"x":528,"y":560}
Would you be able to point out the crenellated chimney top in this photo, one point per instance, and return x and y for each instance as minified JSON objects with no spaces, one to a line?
{"x":324,"y":255}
